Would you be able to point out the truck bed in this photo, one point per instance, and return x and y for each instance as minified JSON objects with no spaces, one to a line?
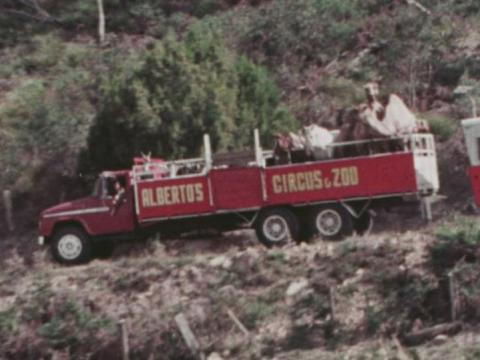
{"x":237,"y":189}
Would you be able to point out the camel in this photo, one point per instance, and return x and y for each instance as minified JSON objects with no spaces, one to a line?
{"x":376,"y":120}
{"x":373,"y":119}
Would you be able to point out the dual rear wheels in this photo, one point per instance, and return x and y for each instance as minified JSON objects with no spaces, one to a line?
{"x":279,"y":226}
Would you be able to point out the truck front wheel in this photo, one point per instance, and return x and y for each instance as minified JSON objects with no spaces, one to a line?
{"x":331,"y":222}
{"x":71,"y":245}
{"x":276,"y":227}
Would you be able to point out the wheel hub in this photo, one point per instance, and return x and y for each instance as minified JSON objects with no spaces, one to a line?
{"x":70,"y":247}
{"x":275,"y":228}
{"x":329,"y":222}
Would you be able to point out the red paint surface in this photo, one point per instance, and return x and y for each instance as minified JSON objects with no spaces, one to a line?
{"x":242,"y":188}
{"x":379,"y":175}
{"x":178,"y":209}
{"x":474,"y":173}
{"x":120,"y":221}
{"x":237,"y":188}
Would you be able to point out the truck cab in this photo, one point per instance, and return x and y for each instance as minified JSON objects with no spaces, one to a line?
{"x":69,"y":226}
{"x":471,"y":128}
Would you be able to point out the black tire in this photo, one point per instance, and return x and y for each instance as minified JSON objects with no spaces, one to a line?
{"x":281,"y":218}
{"x":71,"y":245}
{"x":331,"y":222}
{"x":103,"y":249}
{"x":363,"y":225}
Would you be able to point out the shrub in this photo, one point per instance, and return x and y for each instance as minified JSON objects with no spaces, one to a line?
{"x":456,"y":240}
{"x":8,"y":324}
{"x":467,"y":283}
{"x":254,"y":311}
{"x":74,"y":326}
{"x":166,"y":98}
{"x":463,"y":230}
{"x":307,"y":29}
{"x":442,"y":127}
{"x":45,"y":119}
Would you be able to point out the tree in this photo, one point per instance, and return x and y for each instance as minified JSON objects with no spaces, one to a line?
{"x":101,"y":22}
{"x":166,"y":98}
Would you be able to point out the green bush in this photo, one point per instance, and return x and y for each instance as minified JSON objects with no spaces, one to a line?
{"x":462,"y":230}
{"x":442,"y":127}
{"x":74,"y":326}
{"x":46,"y":118}
{"x":254,"y":311}
{"x":467,"y":282}
{"x":305,"y":28}
{"x":456,"y":240}
{"x":8,"y":324}
{"x":164,"y":99}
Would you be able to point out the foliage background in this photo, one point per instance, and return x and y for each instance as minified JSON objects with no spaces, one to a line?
{"x":171,"y":70}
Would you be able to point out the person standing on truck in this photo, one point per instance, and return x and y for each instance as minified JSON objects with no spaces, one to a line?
{"x":119,"y":196}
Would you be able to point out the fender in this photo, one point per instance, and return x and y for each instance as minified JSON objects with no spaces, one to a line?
{"x":50,"y":222}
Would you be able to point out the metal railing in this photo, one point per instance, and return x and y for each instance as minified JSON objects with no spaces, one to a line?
{"x":419,"y":144}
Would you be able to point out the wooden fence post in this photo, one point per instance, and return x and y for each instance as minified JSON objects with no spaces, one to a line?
{"x":123,"y":337}
{"x":188,"y":336}
{"x":331,"y":298}
{"x":7,"y":200}
{"x":426,"y":209}
{"x":453,"y":297}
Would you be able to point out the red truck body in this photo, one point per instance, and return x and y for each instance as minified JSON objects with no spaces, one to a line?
{"x":159,"y":197}
{"x":254,"y":188}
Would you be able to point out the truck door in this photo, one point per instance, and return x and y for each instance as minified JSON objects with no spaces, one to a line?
{"x":120,"y":217}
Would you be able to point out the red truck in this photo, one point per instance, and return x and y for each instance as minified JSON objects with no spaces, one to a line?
{"x":331,"y":198}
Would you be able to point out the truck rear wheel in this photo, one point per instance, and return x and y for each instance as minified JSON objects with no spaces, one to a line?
{"x":277,"y":227}
{"x":71,"y":245}
{"x":332,"y":222}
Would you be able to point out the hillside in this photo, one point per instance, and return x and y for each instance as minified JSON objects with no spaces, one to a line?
{"x":168,"y":71}
{"x":318,"y":300}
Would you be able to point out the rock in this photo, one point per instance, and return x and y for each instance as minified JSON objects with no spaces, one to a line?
{"x":198,"y":310}
{"x":214,"y":356}
{"x":440,"y":339}
{"x":195,"y":273}
{"x":228,"y":291}
{"x":233,"y":342}
{"x":296,"y":287}
{"x":246,"y":261}
{"x":221,"y":261}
